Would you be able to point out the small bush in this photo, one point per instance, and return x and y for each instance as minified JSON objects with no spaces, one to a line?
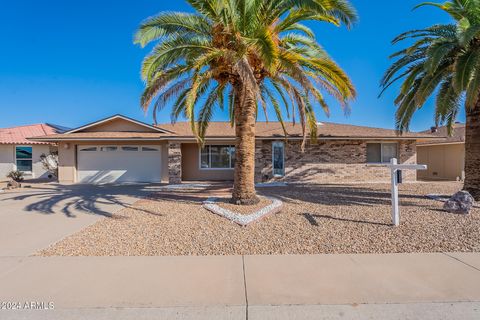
{"x":16,"y":176}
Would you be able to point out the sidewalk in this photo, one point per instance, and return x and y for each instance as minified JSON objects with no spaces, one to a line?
{"x":393,"y":286}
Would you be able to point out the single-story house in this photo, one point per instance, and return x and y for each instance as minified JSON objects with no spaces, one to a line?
{"x":18,"y":153}
{"x":445,"y":156}
{"x":121,"y":149}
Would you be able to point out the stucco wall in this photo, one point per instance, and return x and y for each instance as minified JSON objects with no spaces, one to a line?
{"x":67,"y":157}
{"x":330,"y":161}
{"x":118,"y":125}
{"x":66,"y":162}
{"x":191,"y":165}
{"x":7,"y":161}
{"x":38,"y":171}
{"x":445,"y":162}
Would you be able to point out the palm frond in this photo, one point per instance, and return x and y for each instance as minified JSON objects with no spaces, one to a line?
{"x":443,"y":61}
{"x":200,"y":59}
{"x":168,"y":24}
{"x":466,"y":65}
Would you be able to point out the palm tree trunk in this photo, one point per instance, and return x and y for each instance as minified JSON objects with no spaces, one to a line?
{"x":472,"y":152}
{"x":244,"y":176}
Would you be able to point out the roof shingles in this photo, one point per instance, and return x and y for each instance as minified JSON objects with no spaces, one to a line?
{"x":274,"y":129}
{"x":182,"y":130}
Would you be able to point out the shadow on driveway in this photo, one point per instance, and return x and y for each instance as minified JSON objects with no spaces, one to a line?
{"x":81,"y":198}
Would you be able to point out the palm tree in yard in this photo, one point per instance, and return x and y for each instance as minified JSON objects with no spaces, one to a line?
{"x":243,"y":55}
{"x":444,"y":60}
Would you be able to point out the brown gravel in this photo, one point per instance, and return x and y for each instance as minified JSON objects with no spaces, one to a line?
{"x":315,"y":219}
{"x":244,"y":210}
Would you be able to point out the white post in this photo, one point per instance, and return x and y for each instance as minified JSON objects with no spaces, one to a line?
{"x":394,"y":167}
{"x":395,"y":208}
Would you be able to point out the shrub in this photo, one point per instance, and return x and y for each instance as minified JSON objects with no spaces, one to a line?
{"x":15,"y":176}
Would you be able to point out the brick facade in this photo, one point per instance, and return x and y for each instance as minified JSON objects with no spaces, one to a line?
{"x":174,"y":163}
{"x":330,"y":161}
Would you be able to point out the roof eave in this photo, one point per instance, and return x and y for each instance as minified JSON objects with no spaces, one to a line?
{"x":50,"y":140}
{"x":219,"y":138}
{"x":117,"y":116}
{"x":17,"y":143}
{"x":428,"y":144}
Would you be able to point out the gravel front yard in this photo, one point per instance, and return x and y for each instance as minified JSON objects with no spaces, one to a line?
{"x":315,"y":219}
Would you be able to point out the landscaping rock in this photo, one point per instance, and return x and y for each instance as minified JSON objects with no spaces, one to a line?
{"x":461,"y":202}
{"x":315,"y":219}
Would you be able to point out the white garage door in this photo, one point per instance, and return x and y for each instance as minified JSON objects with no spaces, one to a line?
{"x":118,"y":163}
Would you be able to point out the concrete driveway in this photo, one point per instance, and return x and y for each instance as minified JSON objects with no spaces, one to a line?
{"x":33,"y":218}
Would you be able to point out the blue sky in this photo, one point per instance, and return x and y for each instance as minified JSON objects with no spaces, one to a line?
{"x":73,"y":62}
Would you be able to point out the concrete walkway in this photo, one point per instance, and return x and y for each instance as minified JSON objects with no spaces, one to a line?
{"x":391,"y":286}
{"x":33,"y":218}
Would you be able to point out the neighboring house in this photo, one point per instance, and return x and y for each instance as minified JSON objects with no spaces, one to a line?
{"x":445,"y":156}
{"x":120,"y":149}
{"x":18,"y":153}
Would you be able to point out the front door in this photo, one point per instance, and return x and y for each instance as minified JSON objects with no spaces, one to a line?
{"x":278,"y":153}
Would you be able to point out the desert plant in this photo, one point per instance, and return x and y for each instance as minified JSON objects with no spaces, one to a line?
{"x":242,"y":55}
{"x":15,"y":175}
{"x":50,"y":162}
{"x":444,"y":60}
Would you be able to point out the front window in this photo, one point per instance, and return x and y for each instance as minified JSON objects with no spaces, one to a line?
{"x":24,"y":158}
{"x":278,"y":154}
{"x":217,"y":157}
{"x":381,"y":152}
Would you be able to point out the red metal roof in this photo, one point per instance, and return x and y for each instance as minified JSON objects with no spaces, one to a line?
{"x":19,"y":135}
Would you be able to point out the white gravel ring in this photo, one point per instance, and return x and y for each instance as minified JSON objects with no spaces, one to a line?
{"x":271,"y":184}
{"x":242,"y":219}
{"x":186,"y":186}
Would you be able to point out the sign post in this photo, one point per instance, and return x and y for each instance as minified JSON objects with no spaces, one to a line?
{"x":395,"y":172}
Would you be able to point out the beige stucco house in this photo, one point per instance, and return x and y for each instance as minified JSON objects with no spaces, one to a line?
{"x":445,"y":156}
{"x":19,"y":153}
{"x":120,"y":149}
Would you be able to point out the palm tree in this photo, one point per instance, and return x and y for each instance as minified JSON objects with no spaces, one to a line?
{"x":243,"y":54}
{"x":444,"y":60}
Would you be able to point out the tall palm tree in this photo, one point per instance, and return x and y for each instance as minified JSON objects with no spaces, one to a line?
{"x":243,"y":54}
{"x":444,"y":60}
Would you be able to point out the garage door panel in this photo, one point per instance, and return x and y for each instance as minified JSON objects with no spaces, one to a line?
{"x":119,"y":166}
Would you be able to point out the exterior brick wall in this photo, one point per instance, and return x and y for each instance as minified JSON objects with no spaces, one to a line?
{"x":330,"y":161}
{"x":174,"y":163}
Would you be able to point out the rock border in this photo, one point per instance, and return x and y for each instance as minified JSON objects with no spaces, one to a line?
{"x":186,"y":186}
{"x":242,"y":219}
{"x":271,"y":184}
